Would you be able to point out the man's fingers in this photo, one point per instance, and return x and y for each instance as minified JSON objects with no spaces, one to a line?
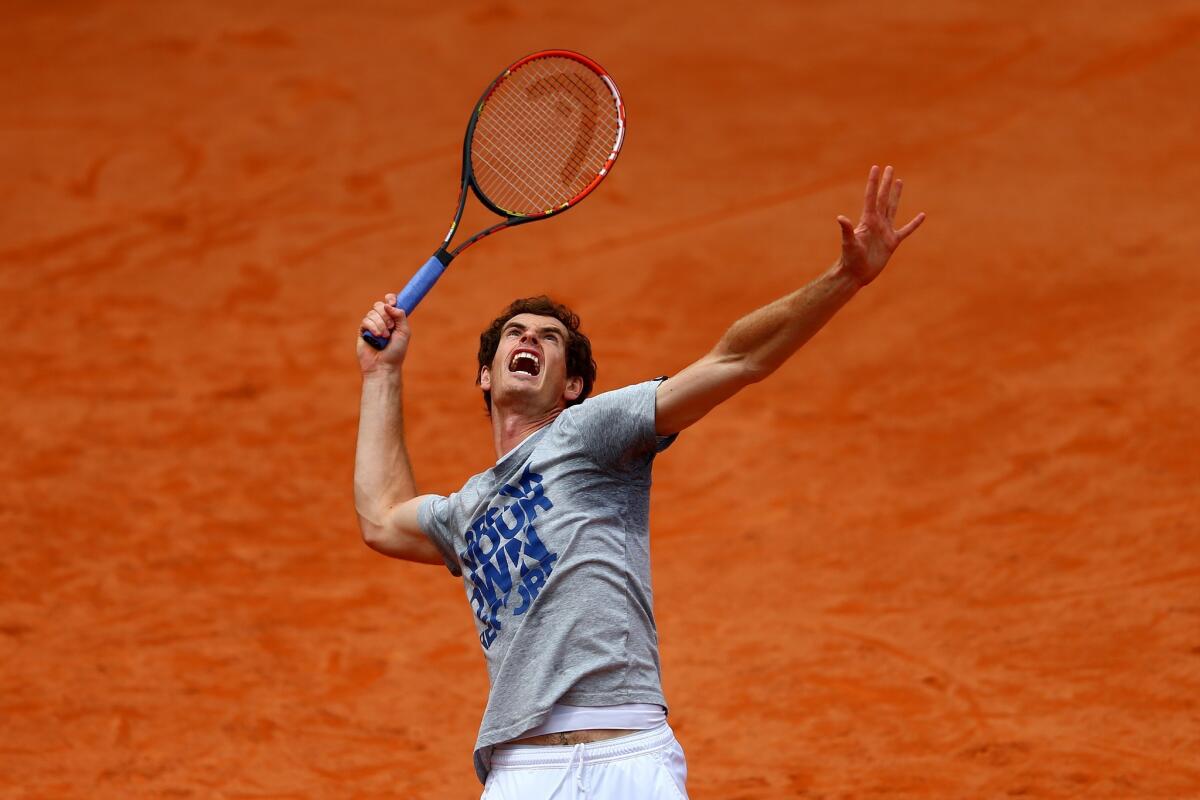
{"x":885,"y":190}
{"x":384,"y":316}
{"x":378,"y":325}
{"x":381,"y":311}
{"x":894,"y":200}
{"x":872,"y":190}
{"x":913,"y":224}
{"x":371,"y":325}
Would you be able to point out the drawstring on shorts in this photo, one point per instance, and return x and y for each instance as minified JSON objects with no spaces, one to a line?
{"x":579,"y":788}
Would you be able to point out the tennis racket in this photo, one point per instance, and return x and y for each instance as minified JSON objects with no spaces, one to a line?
{"x":541,"y":138}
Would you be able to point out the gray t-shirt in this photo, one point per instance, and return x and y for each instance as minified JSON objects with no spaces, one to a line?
{"x":553,"y":546}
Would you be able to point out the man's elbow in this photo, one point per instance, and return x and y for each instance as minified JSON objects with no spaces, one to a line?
{"x":374,"y":535}
{"x":397,"y":537}
{"x":374,"y":541}
{"x":386,"y":543}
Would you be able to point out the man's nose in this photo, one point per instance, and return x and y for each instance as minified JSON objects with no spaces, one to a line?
{"x":529,"y":336}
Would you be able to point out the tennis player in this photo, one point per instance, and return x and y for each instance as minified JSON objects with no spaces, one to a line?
{"x":551,"y":542}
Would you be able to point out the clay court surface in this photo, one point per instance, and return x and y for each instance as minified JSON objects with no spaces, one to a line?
{"x":951,"y":550}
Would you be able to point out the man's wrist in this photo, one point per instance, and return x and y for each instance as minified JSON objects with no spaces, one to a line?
{"x":845,"y":276}
{"x":381,"y":373}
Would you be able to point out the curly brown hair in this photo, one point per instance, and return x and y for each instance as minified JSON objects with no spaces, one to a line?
{"x":580,"y":363}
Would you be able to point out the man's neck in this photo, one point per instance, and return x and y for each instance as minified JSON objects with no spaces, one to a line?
{"x":511,"y":427}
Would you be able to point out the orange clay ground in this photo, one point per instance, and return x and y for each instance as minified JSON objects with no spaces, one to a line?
{"x":950,"y":550}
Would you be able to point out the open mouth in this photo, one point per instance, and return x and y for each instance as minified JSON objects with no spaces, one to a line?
{"x":526,"y":361}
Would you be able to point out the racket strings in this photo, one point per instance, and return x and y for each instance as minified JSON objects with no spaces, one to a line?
{"x":539,"y":130}
{"x":527,"y":140}
{"x":512,"y":165}
{"x":550,"y":87}
{"x":587,"y":124}
{"x":586,"y":149}
{"x":543,"y":135}
{"x":509,"y":166}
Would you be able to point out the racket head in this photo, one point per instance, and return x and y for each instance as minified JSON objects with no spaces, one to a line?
{"x":544,"y":134}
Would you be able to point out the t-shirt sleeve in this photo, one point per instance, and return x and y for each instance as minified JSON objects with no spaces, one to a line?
{"x":436,"y":518}
{"x":617,"y":427}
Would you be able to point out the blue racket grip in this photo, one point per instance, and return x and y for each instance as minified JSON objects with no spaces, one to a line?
{"x":413,"y":293}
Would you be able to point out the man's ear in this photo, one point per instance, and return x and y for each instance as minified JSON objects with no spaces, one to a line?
{"x":573,"y":389}
{"x":485,"y":379}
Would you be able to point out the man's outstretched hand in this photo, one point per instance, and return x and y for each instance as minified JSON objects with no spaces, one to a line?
{"x":866,"y":247}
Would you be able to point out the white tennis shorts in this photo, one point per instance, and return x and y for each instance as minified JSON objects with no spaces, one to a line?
{"x":647,"y":765}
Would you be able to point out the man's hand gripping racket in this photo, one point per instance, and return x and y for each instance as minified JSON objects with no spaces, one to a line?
{"x":541,"y":138}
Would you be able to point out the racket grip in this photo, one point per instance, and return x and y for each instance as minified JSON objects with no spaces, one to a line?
{"x":414,"y":292}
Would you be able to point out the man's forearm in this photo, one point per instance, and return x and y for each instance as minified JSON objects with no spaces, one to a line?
{"x":382,"y":473}
{"x":763,"y":339}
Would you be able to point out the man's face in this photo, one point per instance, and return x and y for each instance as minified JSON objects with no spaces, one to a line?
{"x":530,"y":365}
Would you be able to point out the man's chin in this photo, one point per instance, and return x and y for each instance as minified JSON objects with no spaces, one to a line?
{"x":520,"y":390}
{"x":523,"y":385}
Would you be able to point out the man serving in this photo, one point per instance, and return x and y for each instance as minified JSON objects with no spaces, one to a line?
{"x":552,"y":541}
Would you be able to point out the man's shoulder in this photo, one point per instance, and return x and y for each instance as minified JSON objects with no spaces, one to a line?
{"x":624,"y":395}
{"x":616,"y":425}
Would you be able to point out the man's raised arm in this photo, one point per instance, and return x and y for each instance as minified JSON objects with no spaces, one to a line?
{"x":385,"y":493}
{"x":757,"y":344}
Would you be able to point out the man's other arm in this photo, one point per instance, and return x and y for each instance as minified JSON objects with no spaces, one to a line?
{"x":385,"y":492}
{"x":757,"y":344}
